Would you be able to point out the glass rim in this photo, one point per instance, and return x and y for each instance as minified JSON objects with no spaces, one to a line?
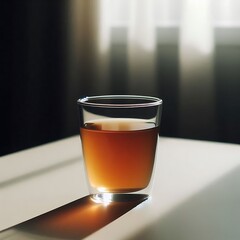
{"x":86,"y":101}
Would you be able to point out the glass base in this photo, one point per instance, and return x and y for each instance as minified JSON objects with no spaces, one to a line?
{"x":118,"y":197}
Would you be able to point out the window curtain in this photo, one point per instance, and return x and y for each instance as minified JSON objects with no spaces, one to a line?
{"x":196,"y":50}
{"x":133,"y":25}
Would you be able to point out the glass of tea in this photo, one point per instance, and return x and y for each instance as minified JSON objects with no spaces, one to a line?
{"x":119,"y":135}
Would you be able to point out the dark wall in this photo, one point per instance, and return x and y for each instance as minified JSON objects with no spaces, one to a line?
{"x":37,"y":107}
{"x":33,"y":72}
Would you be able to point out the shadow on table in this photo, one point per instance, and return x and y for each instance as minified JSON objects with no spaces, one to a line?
{"x":80,"y":218}
{"x":211,"y":214}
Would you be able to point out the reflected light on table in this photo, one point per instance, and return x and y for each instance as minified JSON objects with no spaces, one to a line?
{"x":79,"y":218}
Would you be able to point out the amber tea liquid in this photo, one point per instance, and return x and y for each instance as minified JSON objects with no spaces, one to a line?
{"x":119,"y":153}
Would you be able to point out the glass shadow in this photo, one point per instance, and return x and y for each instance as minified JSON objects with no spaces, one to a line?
{"x":80,"y":218}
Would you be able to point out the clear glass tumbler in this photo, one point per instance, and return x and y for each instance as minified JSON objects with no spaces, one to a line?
{"x":119,"y":135}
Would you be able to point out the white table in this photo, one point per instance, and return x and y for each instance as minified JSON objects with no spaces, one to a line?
{"x":196,"y":191}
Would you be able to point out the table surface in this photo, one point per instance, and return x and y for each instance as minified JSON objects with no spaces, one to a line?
{"x":195,"y":195}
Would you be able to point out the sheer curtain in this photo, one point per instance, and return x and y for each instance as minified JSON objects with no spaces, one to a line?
{"x":137,"y":22}
{"x":196,"y":50}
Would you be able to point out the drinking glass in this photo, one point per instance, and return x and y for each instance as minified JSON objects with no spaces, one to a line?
{"x":119,"y":135}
